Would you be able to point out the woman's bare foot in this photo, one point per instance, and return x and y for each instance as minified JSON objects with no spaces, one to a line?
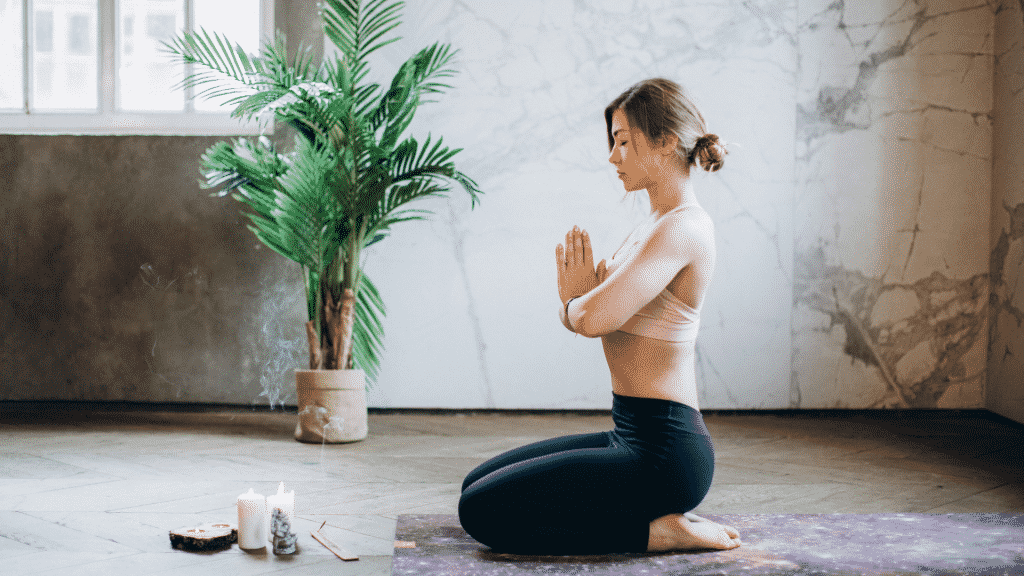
{"x":690,"y":532}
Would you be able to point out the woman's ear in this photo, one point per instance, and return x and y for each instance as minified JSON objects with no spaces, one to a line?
{"x":669,"y":142}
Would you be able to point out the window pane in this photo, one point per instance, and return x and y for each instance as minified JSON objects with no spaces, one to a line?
{"x":44,"y":31}
{"x":146,"y":72}
{"x":128,"y":34}
{"x":11,"y":45}
{"x":239,"y":20}
{"x":78,"y":33}
{"x":65,"y":48}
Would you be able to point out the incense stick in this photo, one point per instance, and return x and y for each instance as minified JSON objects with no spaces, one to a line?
{"x":338,"y":550}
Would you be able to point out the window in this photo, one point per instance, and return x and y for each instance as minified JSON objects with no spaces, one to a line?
{"x":99,"y":66}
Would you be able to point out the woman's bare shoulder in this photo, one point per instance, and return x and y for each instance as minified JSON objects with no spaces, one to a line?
{"x":695,"y":229}
{"x":693,"y":221}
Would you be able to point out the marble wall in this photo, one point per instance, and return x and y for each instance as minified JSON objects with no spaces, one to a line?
{"x":893,"y":171}
{"x":1005,"y":391}
{"x":853,"y":267}
{"x":851,"y":273}
{"x":528,"y":109}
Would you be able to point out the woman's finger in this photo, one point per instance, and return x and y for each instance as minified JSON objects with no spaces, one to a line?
{"x":568,"y":249}
{"x":588,"y":254}
{"x":578,"y":248}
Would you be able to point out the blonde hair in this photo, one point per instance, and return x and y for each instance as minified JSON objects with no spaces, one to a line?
{"x":659,"y":107}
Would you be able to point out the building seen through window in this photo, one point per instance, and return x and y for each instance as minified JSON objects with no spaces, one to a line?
{"x":64,"y":52}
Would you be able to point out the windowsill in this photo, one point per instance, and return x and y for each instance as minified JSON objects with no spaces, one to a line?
{"x":128,"y":123}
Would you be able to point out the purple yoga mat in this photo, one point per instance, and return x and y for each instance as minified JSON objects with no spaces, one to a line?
{"x":776,"y":544}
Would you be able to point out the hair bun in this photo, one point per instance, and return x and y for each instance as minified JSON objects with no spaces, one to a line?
{"x":709,"y":152}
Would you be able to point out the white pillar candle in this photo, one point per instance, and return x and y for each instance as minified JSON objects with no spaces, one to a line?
{"x":252,"y":511}
{"x":286,"y":502}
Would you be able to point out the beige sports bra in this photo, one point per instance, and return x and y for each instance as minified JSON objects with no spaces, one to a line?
{"x":666,"y":317}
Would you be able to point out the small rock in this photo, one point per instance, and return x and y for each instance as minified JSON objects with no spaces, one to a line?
{"x":284,"y":538}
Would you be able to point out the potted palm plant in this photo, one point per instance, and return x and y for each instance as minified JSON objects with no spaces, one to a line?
{"x":337,"y":191}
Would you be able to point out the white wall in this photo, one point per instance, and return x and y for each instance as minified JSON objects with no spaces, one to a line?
{"x":473,"y":303}
{"x":850,"y":263}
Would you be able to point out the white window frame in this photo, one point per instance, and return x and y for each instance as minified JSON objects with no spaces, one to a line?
{"x":106,"y":120}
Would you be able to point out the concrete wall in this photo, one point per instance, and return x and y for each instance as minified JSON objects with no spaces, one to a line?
{"x":121,"y":279}
{"x":1005,"y":393}
{"x":851,"y":272}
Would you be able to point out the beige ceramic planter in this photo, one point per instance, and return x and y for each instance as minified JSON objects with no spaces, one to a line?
{"x":332,"y":405}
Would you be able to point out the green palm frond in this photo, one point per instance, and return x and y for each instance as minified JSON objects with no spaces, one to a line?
{"x":420,"y":188}
{"x":415,"y":162}
{"x":223,"y":61}
{"x":315,"y":110}
{"x":300,"y":213}
{"x":412,"y":160}
{"x":257,"y":102}
{"x":229,"y":167}
{"x":383,"y":223}
{"x":273,"y":64}
{"x":255,"y":82}
{"x":415,"y":78}
{"x":430,"y":66}
{"x":397,"y":107}
{"x":367,"y":340}
{"x":290,"y":211}
{"x":357,"y":29}
{"x":304,"y":68}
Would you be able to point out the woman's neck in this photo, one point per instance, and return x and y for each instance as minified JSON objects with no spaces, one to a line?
{"x":675,"y":189}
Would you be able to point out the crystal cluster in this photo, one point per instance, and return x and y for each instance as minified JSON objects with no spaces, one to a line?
{"x":281,"y":528}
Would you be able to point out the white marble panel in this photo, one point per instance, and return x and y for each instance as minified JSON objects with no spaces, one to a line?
{"x":471,"y":294}
{"x":1005,"y":387}
{"x":893,"y":160}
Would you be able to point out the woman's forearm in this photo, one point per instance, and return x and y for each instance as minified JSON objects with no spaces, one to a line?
{"x":570,"y":324}
{"x":565,"y":320}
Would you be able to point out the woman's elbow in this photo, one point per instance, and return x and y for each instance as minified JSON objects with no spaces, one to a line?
{"x":589,"y":331}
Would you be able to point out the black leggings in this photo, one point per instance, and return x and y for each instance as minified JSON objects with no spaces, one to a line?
{"x":592,"y":493}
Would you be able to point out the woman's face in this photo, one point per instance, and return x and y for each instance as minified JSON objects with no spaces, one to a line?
{"x":631,"y":154}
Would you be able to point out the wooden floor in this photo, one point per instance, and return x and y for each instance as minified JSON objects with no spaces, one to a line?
{"x":96,"y":492}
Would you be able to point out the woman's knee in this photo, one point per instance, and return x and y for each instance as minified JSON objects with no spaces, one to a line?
{"x":471,"y":516}
{"x":474,"y":475}
{"x":493,"y":528}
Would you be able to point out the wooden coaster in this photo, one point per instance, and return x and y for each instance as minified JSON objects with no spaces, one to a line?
{"x":210,"y":536}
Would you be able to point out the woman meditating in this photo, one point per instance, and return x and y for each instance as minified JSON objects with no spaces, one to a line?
{"x":630,"y":489}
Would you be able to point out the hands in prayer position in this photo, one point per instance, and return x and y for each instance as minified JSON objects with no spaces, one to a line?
{"x":576,"y":274}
